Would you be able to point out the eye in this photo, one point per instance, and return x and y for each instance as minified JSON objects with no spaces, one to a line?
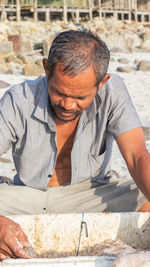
{"x":82,"y":97}
{"x":56,"y":91}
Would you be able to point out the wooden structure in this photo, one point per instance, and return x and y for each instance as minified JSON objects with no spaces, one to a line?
{"x":76,"y":9}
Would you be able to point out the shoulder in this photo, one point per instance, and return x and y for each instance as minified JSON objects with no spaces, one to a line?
{"x":115,"y":84}
{"x":29,"y":90}
{"x":25,"y":96}
{"x":114,"y":89}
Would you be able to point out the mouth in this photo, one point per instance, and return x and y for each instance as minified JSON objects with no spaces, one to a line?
{"x":67,"y":113}
{"x":63,"y":114}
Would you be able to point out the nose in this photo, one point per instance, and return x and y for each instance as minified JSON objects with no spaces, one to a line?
{"x":68,"y":103}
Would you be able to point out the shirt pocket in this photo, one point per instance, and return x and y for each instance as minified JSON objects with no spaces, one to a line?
{"x":96,"y":162}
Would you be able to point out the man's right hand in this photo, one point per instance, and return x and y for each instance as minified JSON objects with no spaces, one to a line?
{"x":10,"y":234}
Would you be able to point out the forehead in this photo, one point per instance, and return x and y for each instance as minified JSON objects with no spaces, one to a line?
{"x":81,"y":84}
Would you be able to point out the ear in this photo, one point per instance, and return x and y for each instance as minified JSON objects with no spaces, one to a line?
{"x":106,"y":78}
{"x":46,"y":67}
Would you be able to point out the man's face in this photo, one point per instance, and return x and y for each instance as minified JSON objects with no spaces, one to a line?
{"x":71,"y":95}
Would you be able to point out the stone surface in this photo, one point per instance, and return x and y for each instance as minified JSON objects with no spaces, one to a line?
{"x":144,"y":65}
{"x":22,"y":58}
{"x":45,"y":48}
{"x":15,"y":39}
{"x":4,"y":56}
{"x":6,"y":47}
{"x":12,"y":71}
{"x":47,"y":234}
{"x":25,"y":46}
{"x":112,"y":59}
{"x":15,"y":60}
{"x":146,"y":130}
{"x":3,"y":68}
{"x":116,"y":49}
{"x":123,"y":60}
{"x":32,"y":70}
{"x":146,"y":45}
{"x":115,"y":41}
{"x":62,"y":262}
{"x":133,"y":259}
{"x":39,"y":62}
{"x":120,"y":35}
{"x":26,"y":59}
{"x":124,"y":69}
{"x":132,"y":41}
{"x":4,"y":160}
{"x":136,"y":61}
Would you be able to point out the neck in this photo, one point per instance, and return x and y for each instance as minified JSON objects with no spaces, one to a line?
{"x":66,"y":123}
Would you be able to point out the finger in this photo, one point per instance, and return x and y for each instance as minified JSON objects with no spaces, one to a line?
{"x":4,"y":249}
{"x":17,"y":250}
{"x":4,"y":256}
{"x":22,"y":237}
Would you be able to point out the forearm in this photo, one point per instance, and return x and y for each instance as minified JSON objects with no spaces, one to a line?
{"x":141,"y":174}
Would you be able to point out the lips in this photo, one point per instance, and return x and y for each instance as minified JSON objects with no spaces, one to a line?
{"x":66,"y":114}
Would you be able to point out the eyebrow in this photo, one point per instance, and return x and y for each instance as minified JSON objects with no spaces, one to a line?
{"x":58,"y":92}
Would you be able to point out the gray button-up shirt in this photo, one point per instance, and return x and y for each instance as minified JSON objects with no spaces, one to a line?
{"x":27,"y":125}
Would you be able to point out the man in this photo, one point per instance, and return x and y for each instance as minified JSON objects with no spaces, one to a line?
{"x":61,"y":129}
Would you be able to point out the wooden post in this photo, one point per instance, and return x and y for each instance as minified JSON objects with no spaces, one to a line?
{"x":130,"y":9}
{"x":3,"y":10}
{"x":73,"y":16}
{"x":129,"y":15}
{"x":129,"y":5}
{"x":18,"y":10}
{"x":72,"y":13}
{"x":65,"y":11}
{"x":142,"y":17}
{"x":134,"y":4}
{"x":148,"y":6}
{"x":99,"y":4}
{"x":77,"y":16}
{"x":90,"y":10}
{"x":136,"y":16}
{"x":35,"y":11}
{"x":113,"y":4}
{"x":47,"y":14}
{"x":115,"y":14}
{"x":135,"y":8}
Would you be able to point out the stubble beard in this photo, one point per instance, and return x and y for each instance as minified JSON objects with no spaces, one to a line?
{"x":59,"y":108}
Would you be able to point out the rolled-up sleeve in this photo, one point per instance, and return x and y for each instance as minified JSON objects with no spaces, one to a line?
{"x":123,"y":116}
{"x":10,"y":118}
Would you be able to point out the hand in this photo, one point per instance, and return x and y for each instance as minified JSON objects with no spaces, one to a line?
{"x":10,"y":234}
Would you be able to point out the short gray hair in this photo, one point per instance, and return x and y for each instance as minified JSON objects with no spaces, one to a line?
{"x":74,"y":51}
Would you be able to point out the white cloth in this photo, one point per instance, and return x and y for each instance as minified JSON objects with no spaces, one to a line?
{"x":117,"y":196}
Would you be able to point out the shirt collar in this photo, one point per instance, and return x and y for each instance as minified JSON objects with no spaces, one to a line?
{"x":43,"y":110}
{"x":93,"y":108}
{"x":89,"y":114}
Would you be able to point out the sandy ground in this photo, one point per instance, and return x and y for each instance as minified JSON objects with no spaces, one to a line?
{"x":138,"y":84}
